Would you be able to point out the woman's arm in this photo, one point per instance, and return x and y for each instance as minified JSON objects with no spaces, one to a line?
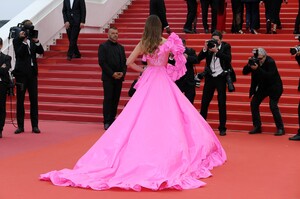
{"x":133,"y":56}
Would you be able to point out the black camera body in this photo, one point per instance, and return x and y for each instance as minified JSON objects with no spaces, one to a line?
{"x":254,"y":59}
{"x":28,"y":29}
{"x":212,"y":43}
{"x":295,"y":50}
{"x":198,"y":77}
{"x":227,"y":74}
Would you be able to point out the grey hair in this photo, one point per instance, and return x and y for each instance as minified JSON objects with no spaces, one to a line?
{"x":262,"y":51}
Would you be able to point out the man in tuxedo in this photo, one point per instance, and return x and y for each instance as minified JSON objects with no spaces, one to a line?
{"x":158,"y":8}
{"x":112,"y":60}
{"x":265,"y":82}
{"x":74,"y":12}
{"x":187,"y":83}
{"x":25,"y":72}
{"x":218,"y":63}
{"x":5,"y":65}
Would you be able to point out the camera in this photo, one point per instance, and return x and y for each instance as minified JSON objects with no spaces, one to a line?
{"x":229,"y":81}
{"x":295,"y":50}
{"x":254,"y":59}
{"x":198,"y":77}
{"x":212,"y":43}
{"x":28,"y":29}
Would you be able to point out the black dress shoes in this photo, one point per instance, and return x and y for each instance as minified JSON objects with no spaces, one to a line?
{"x":295,"y":137}
{"x":36,"y":130}
{"x":77,"y":56}
{"x":69,"y":58}
{"x":19,"y":130}
{"x":188,"y":31}
{"x":106,"y":126}
{"x":222,"y":133}
{"x":279,"y":132}
{"x":255,"y":130}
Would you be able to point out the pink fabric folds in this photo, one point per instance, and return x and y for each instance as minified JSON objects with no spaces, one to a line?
{"x":159,"y":141}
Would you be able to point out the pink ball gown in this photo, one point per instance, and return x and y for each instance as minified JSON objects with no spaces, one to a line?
{"x":159,"y":140}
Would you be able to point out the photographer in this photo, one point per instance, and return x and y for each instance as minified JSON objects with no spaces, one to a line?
{"x":265,"y":82}
{"x":297,"y":136}
{"x":5,"y":65}
{"x":218,"y":70}
{"x":26,"y":46}
{"x":187,"y":83}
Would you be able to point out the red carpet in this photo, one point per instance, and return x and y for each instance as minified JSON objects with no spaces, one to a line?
{"x":258,"y":167}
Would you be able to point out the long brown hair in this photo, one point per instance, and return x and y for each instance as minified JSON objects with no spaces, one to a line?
{"x":152,"y":34}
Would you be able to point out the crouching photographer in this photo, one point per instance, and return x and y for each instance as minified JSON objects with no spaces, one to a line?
{"x":5,"y":65}
{"x":265,"y":82}
{"x":218,"y":71}
{"x":26,"y":46}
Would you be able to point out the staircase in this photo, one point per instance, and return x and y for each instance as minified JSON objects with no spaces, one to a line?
{"x":72,"y":90}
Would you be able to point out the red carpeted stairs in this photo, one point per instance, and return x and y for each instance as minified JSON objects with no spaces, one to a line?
{"x":72,"y":90}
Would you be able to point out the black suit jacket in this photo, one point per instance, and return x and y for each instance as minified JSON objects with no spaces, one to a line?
{"x":192,"y":59}
{"x":26,"y":62}
{"x":266,"y":77}
{"x":109,"y":61}
{"x":4,"y":75}
{"x":76,"y":14}
{"x":224,"y":54}
{"x":157,"y":7}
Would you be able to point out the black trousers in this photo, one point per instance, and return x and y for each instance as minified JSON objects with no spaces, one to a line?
{"x":31,"y":85}
{"x":297,"y":22}
{"x":272,"y":9}
{"x":3,"y":90}
{"x":252,"y":10}
{"x":214,"y":12}
{"x":257,"y":98}
{"x":237,"y":15}
{"x":188,"y":90}
{"x":299,"y":117}
{"x":112,"y":92}
{"x":73,"y":33}
{"x":211,"y":84}
{"x":191,"y":13}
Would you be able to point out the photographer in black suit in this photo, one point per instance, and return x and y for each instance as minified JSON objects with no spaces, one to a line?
{"x":112,"y":60}
{"x":187,"y":83}
{"x":218,"y":71}
{"x":158,"y":8}
{"x":5,"y":65}
{"x":265,"y":82}
{"x":26,"y":46}
{"x":297,"y":136}
{"x":74,"y":13}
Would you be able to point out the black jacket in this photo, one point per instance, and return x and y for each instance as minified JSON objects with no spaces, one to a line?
{"x":157,"y":7}
{"x":111,"y":58}
{"x":76,"y":14}
{"x":266,"y":78}
{"x":4,"y":75}
{"x":188,"y":78}
{"x":26,"y":63}
{"x":224,"y":54}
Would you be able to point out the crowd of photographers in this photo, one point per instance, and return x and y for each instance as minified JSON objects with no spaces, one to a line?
{"x":218,"y":74}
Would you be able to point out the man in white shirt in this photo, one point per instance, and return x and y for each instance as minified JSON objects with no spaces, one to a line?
{"x":218,"y":65}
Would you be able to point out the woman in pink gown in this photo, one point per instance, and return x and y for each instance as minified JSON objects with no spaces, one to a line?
{"x":159,"y":140}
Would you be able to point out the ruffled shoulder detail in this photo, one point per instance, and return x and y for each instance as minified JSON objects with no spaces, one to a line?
{"x":175,"y":46}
